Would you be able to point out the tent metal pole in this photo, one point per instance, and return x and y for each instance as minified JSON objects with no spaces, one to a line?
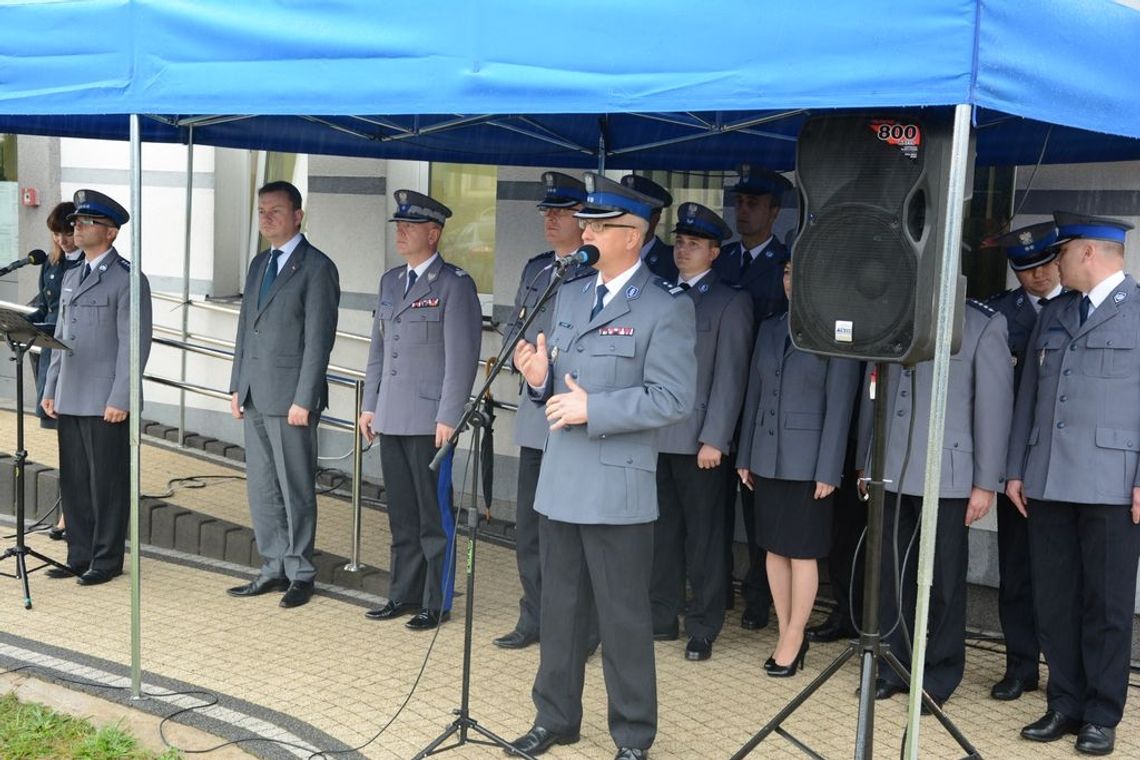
{"x":133,"y":426}
{"x":186,"y":281}
{"x":947,"y":292}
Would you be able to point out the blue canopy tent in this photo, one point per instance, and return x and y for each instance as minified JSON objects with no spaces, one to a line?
{"x":661,"y":85}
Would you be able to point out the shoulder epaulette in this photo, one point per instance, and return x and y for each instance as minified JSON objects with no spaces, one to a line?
{"x":457,"y":271}
{"x":543,"y":255}
{"x":124,"y":264}
{"x":581,"y":276}
{"x":669,"y":287}
{"x":998,"y":296}
{"x":989,"y":311}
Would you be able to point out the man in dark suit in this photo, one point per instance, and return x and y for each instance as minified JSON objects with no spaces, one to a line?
{"x":618,"y":365}
{"x":654,"y":252}
{"x":563,"y":197}
{"x":1073,"y":470}
{"x":689,"y":532}
{"x":421,"y":366}
{"x":1031,"y":252}
{"x":979,"y":404}
{"x":88,"y":390}
{"x":285,"y":334}
{"x":755,"y":263}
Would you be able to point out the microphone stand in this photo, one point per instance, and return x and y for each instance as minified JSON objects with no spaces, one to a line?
{"x":474,"y":416}
{"x":21,"y":335}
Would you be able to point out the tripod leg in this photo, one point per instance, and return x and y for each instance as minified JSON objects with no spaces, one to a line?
{"x":22,"y":574}
{"x":791,"y":707}
{"x":432,"y":748}
{"x":933,"y":708}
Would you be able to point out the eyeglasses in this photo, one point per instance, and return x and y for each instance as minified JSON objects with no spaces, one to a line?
{"x":556,"y":212}
{"x":86,"y":221}
{"x":598,"y":227}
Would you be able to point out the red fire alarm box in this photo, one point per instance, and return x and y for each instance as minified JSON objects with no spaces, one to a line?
{"x":30,"y":196}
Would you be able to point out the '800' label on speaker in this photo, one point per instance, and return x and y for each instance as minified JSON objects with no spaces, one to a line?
{"x":844,"y":331}
{"x":906,"y":137}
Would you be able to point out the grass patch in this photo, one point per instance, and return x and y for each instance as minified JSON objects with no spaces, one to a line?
{"x":30,"y":731}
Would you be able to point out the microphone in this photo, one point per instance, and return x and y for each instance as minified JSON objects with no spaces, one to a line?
{"x":587,"y":254}
{"x":36,"y":257}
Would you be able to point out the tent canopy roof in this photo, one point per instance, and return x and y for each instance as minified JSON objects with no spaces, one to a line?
{"x":519,"y":82}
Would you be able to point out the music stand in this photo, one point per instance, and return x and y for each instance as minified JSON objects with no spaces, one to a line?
{"x":21,"y":335}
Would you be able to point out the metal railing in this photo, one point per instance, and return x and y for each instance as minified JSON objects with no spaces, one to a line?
{"x":205,"y":345}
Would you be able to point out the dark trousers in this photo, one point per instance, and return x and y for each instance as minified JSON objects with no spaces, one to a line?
{"x":419,"y":543}
{"x":281,"y":473}
{"x":849,"y":521}
{"x":687,"y":537}
{"x":608,"y":565}
{"x":94,"y":485}
{"x":526,"y":542}
{"x":1084,"y":587}
{"x":1015,"y":594}
{"x":754,"y":586}
{"x":946,"y":630}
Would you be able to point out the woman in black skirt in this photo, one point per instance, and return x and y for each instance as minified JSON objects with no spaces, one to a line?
{"x":793,"y":438}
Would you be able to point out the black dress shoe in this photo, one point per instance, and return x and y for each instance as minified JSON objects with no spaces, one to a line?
{"x":391,"y":610}
{"x":751,"y":620}
{"x":516,"y":639}
{"x":630,"y":753}
{"x":95,"y":577}
{"x":298,"y":593}
{"x":698,"y":648}
{"x":669,"y":633}
{"x":1051,"y":727}
{"x":886,"y":689}
{"x":425,"y":620}
{"x":62,"y":572}
{"x":1096,"y":740}
{"x":538,"y":739}
{"x":259,"y":586}
{"x":828,"y":631}
{"x":56,"y":534}
{"x":1009,"y":688}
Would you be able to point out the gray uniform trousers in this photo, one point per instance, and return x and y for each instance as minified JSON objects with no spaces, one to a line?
{"x":284,"y":520}
{"x":610,"y":564}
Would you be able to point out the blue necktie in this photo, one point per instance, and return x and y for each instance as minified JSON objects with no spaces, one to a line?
{"x":412,"y":277}
{"x":270,"y":276}
{"x":86,"y":271}
{"x":1085,"y":304}
{"x":598,"y":304}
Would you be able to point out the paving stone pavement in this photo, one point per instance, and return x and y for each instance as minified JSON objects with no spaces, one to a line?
{"x":323,"y":672}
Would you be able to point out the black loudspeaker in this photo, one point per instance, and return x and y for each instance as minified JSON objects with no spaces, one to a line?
{"x":867,"y":258}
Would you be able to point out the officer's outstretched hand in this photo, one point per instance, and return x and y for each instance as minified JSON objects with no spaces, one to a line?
{"x":1015,"y":494}
{"x":567,"y":408}
{"x":1136,"y":506}
{"x":531,"y":361}
{"x":112,"y":414}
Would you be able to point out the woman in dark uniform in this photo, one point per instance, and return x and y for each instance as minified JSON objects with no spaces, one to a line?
{"x":792,"y":443}
{"x":64,"y":255}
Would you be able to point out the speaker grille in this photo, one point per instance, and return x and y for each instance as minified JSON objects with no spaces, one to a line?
{"x":853,"y":265}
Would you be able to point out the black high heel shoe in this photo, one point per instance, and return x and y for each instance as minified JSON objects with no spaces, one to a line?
{"x":769,"y":663}
{"x":787,"y":671}
{"x":56,"y":534}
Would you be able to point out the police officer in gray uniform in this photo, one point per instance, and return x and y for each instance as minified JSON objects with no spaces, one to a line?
{"x":618,"y":365}
{"x":285,"y":334}
{"x":979,"y":405}
{"x":656,"y":254}
{"x":564,"y":195}
{"x":689,"y":533}
{"x":88,"y":391}
{"x":421,"y":366}
{"x":1031,"y":252}
{"x":1072,"y":469}
{"x":755,"y":263}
